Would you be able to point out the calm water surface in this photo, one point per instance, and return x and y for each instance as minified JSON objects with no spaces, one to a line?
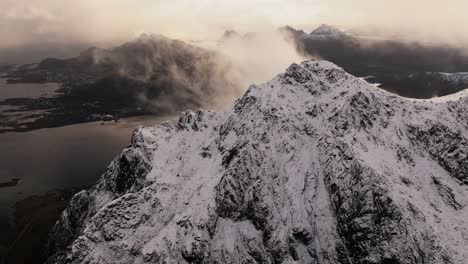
{"x":27,"y":90}
{"x":51,"y":158}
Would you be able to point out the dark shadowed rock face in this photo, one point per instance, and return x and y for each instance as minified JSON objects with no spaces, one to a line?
{"x":314,"y":166}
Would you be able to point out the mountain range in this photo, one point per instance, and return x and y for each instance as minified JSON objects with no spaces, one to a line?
{"x":150,"y":74}
{"x":314,"y":166}
{"x":153,"y":74}
{"x":148,"y":67}
{"x":397,"y":66}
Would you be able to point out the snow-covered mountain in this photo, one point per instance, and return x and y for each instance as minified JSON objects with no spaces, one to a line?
{"x":314,"y":166}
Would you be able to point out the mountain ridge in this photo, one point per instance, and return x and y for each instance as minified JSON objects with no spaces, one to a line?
{"x":314,"y":166}
{"x":151,"y":74}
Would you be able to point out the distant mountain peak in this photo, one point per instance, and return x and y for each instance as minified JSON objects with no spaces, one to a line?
{"x":327,"y":30}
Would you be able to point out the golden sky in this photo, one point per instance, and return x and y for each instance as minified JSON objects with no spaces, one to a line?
{"x":26,"y":21}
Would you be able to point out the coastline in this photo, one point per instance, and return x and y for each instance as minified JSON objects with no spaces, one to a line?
{"x":32,"y":219}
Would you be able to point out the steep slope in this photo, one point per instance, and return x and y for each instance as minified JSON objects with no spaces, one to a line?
{"x":314,"y":166}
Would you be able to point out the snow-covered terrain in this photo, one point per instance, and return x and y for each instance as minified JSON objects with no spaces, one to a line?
{"x":452,"y":78}
{"x":314,"y":166}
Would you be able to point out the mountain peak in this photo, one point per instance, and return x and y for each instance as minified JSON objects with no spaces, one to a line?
{"x":314,"y":166}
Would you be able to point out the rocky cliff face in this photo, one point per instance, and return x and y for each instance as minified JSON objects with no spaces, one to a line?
{"x":314,"y":166}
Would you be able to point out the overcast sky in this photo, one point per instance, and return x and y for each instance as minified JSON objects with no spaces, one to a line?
{"x":25,"y":22}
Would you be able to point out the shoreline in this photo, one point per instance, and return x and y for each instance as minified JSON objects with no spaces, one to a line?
{"x":61,"y":120}
{"x":31,"y":221}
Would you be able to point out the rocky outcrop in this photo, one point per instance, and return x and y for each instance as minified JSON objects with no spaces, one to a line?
{"x":314,"y":166}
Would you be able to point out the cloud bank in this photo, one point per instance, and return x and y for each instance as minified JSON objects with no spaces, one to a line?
{"x":108,"y":21}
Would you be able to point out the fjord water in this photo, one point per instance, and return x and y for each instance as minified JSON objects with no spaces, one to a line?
{"x":62,"y":157}
{"x":26,"y":90}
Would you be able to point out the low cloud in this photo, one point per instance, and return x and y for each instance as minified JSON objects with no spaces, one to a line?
{"x":259,"y":55}
{"x":23,"y":22}
{"x":167,"y":75}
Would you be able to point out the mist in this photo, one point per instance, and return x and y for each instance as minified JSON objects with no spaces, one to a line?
{"x":259,"y":56}
{"x":108,"y":22}
{"x":55,"y":28}
{"x":167,"y":75}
